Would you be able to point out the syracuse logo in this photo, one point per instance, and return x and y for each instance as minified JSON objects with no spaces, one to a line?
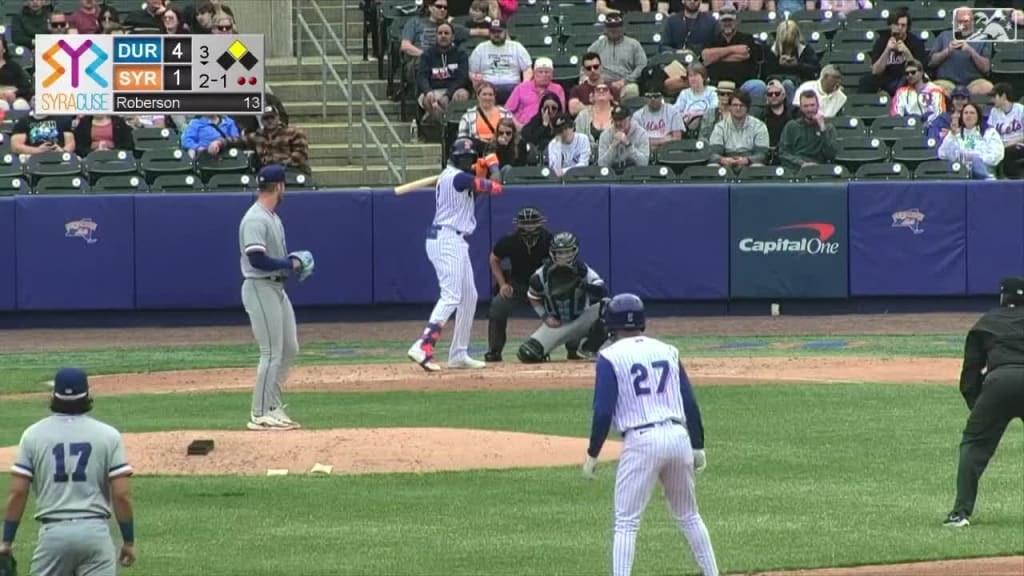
{"x":75,"y":54}
{"x":908,"y":219}
{"x":84,"y":229}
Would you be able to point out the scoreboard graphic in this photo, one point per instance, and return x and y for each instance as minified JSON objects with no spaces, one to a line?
{"x":138,"y":75}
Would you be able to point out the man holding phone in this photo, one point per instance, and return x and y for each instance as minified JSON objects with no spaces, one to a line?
{"x":959,"y":62}
{"x":37,"y":133}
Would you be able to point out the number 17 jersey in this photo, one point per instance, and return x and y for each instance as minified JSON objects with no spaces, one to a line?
{"x":647,"y":374}
{"x":70,"y":460}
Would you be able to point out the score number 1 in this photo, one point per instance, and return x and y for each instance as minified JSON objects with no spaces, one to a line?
{"x":205,"y":79}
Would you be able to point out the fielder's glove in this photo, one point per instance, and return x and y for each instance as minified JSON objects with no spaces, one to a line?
{"x":305,"y":257}
{"x":700,"y":461}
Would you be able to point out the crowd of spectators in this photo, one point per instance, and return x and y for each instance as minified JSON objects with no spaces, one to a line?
{"x":769,"y":97}
{"x":268,"y":138}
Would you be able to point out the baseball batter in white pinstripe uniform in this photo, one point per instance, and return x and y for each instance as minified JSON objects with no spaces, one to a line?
{"x":448,"y":250}
{"x":77,"y":468}
{"x":642,"y":386}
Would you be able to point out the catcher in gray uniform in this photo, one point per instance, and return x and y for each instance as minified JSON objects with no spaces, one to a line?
{"x":266,"y":264}
{"x":77,"y":468}
{"x":568,"y":296}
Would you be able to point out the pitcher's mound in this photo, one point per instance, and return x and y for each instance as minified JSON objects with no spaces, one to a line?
{"x":348,"y":451}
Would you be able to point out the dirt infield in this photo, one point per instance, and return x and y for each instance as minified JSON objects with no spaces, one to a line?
{"x":360,"y":451}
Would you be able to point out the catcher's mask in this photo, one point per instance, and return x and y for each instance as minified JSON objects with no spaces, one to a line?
{"x":463,"y":154}
{"x":529,"y":222}
{"x":564,"y":249}
{"x":625,"y":312}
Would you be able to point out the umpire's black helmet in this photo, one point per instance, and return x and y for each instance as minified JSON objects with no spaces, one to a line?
{"x":463,"y":154}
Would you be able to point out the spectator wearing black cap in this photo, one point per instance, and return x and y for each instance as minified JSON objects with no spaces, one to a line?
{"x":939,"y":125}
{"x":502,"y":62}
{"x":733,"y":55}
{"x":567,"y":150}
{"x":690,"y":28}
{"x":992,"y":386}
{"x":661,"y":121}
{"x":625,"y":144}
{"x":622,"y":57}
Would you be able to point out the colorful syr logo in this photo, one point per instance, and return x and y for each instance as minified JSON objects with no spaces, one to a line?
{"x":76,"y":54}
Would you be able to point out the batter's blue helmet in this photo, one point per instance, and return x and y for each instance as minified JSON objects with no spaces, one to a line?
{"x":625,"y":312}
{"x":463,"y":154}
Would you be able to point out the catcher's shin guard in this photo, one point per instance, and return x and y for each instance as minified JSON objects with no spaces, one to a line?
{"x":595,"y":338}
{"x":531,"y":352}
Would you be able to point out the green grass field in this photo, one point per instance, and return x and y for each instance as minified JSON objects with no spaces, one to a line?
{"x":798,"y":476}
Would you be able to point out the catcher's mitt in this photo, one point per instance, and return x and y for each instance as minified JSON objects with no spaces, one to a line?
{"x":305,"y":257}
{"x":563,"y":281}
{"x":8,"y":565}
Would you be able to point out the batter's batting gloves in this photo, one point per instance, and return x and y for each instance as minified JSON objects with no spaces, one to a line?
{"x":487,"y":186}
{"x":700,"y":461}
{"x":588,"y":467}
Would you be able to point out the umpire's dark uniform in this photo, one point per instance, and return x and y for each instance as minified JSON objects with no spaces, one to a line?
{"x":525,"y":252}
{"x":995,"y":343}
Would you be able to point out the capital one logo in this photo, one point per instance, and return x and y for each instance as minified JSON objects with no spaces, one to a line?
{"x":99,"y":56}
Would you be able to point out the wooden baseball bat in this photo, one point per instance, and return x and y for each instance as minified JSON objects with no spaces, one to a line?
{"x":415,"y":185}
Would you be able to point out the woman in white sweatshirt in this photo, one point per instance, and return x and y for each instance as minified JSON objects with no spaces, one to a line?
{"x":968,"y":141}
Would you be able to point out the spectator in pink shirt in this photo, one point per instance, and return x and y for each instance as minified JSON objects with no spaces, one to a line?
{"x":508,"y":8}
{"x":86,"y":19}
{"x":524,"y":102}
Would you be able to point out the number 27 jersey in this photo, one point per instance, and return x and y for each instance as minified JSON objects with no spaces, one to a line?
{"x":70,"y":460}
{"x":647,"y":373}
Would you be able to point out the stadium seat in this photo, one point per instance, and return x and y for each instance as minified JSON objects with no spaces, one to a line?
{"x":61,"y":185}
{"x":13,"y":185}
{"x":54,"y":163}
{"x":298,"y":180}
{"x":854,"y":41}
{"x":851,"y":63}
{"x":710,"y":174}
{"x":928,"y":19}
{"x":823,"y":172}
{"x":848,"y":127}
{"x":678,"y":154}
{"x":882,"y":171}
{"x":5,"y":144}
{"x":589,"y":174}
{"x":647,"y":175}
{"x":825,"y":22}
{"x":779,"y":174}
{"x":529,"y":175}
{"x":1008,"y":63}
{"x":864,"y":20}
{"x":101,"y":163}
{"x":146,"y":139}
{"x":120,"y":184}
{"x":914,"y":150}
{"x":231,"y":161}
{"x":158,"y":162}
{"x":867,"y":107}
{"x":854,"y":152}
{"x":177,"y":183}
{"x":940,"y":170}
{"x":894,"y":128}
{"x":10,"y":165}
{"x":230,"y":183}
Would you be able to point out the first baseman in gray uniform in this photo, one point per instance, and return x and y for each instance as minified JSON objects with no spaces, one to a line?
{"x":266,"y":264}
{"x":77,"y":468}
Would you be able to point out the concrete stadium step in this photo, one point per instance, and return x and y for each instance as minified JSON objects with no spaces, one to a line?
{"x":286,"y":69}
{"x":375,"y":176}
{"x":353,"y":45}
{"x":333,"y":13}
{"x":351,"y":154}
{"x":309,"y":111}
{"x":311,"y":90}
{"x":337,"y":131}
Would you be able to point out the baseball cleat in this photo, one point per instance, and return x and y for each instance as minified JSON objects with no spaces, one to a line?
{"x":493,"y":356}
{"x":418,"y":355}
{"x":955,"y":520}
{"x":278,"y":413}
{"x":268,"y":423}
{"x":467,"y":362}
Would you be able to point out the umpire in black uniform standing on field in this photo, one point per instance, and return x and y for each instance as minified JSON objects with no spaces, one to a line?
{"x":526,"y":248}
{"x":995,"y":398}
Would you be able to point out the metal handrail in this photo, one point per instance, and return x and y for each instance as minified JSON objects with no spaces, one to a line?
{"x":365,"y":93}
{"x":398,"y":174}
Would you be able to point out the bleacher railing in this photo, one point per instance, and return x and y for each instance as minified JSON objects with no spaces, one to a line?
{"x":366,"y":96}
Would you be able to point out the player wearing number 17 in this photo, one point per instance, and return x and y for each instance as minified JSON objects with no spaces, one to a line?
{"x":642,"y":386}
{"x":77,"y":468}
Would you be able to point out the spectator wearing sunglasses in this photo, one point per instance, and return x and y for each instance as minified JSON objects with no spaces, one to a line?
{"x":33,"y":19}
{"x":509,"y":145}
{"x":739,"y":139}
{"x":59,"y":23}
{"x":223,"y":24}
{"x":777,"y":111}
{"x":917,"y":98}
{"x":149,"y":18}
{"x":581,"y":95}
